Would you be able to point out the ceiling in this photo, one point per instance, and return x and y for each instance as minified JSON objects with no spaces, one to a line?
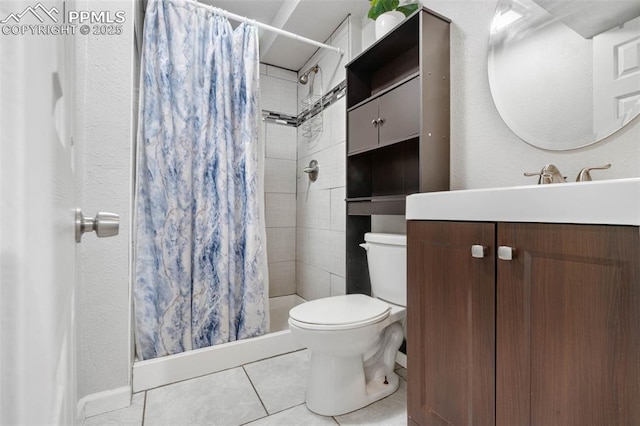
{"x":590,"y":18}
{"x":314,"y":19}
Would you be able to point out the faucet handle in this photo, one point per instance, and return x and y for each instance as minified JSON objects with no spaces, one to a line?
{"x":585,"y":176}
{"x":543,"y":177}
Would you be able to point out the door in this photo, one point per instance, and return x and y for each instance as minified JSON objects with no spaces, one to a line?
{"x":451,"y":323}
{"x":399,"y":112}
{"x":363,"y":127}
{"x":616,"y":77}
{"x":568,"y":326}
{"x":37,"y":282}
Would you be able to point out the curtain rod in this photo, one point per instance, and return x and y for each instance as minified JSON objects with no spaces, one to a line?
{"x":266,"y":27}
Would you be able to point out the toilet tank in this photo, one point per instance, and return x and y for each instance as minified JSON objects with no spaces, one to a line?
{"x":387,"y":260}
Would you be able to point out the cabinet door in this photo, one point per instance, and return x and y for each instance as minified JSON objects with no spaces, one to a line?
{"x":568,"y":326}
{"x":363,"y":134}
{"x":450,"y":324}
{"x":399,"y":111}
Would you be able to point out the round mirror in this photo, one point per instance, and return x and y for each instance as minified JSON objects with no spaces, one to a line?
{"x":565,"y":74}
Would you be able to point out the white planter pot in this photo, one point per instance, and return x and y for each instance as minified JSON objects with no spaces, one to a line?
{"x":386,"y":22}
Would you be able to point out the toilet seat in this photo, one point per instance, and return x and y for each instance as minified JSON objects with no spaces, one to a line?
{"x":339,"y":313}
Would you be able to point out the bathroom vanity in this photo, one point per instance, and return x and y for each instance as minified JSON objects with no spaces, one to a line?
{"x":524,"y":305}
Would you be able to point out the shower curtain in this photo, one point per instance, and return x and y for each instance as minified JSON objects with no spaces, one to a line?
{"x":200,"y":257}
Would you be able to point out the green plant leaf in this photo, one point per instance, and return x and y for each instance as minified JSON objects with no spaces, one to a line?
{"x":378,"y":7}
{"x":408,"y":9}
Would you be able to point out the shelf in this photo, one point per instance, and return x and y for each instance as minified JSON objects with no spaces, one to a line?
{"x":375,"y":148}
{"x":384,"y":172}
{"x":388,"y":62}
{"x":397,"y":98}
{"x":386,"y":205}
{"x":398,"y":197}
{"x":386,"y":48}
{"x":387,"y":89}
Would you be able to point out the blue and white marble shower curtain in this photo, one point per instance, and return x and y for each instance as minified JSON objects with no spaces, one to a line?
{"x":200,"y":255}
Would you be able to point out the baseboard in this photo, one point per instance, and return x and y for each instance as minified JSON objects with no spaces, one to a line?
{"x":102,"y":402}
{"x":165,"y":370}
{"x":401,"y":359}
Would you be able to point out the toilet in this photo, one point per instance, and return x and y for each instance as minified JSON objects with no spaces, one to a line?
{"x":353,"y":339}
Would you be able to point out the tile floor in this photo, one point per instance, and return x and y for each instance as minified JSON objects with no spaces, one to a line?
{"x":263,"y":393}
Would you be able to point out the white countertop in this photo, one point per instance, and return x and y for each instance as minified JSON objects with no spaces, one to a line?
{"x":613,"y":202}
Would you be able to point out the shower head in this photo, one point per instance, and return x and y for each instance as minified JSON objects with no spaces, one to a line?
{"x":304,"y":78}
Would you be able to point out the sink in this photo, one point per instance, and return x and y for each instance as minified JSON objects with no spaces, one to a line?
{"x":613,"y":202}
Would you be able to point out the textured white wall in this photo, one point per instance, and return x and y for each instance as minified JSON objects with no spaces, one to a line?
{"x":104,"y":105}
{"x":484,"y":151}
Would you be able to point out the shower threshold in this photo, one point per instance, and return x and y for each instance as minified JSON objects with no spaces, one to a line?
{"x":162,"y":371}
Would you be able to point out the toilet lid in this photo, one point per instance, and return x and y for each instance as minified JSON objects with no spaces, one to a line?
{"x":340,"y":312}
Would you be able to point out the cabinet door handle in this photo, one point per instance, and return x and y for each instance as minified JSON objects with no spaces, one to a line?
{"x":374,"y":122}
{"x":478,"y":251}
{"x":506,"y":253}
{"x":380,"y":121}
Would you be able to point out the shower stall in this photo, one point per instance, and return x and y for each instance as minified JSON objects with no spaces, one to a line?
{"x":304,"y":220}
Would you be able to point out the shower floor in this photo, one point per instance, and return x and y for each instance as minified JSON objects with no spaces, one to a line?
{"x":279,"y":311}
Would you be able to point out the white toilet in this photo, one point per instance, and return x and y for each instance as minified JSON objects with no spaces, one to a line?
{"x":353,"y":339}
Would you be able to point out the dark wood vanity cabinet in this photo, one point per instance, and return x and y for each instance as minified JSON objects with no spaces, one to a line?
{"x":450,"y":324}
{"x":568,"y":326}
{"x":551,"y":337}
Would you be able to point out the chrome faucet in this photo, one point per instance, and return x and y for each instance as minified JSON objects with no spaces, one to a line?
{"x":548,"y":174}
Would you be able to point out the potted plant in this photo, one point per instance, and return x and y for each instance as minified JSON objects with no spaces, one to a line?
{"x":388,"y":14}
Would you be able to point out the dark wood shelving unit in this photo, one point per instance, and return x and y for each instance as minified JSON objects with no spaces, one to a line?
{"x":397,"y":128}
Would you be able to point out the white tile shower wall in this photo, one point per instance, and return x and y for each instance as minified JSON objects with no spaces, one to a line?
{"x":279,"y":174}
{"x":280,"y":210}
{"x":278,"y":90}
{"x":320,"y":248}
{"x":282,"y":277}
{"x":281,"y":142}
{"x":331,"y":63}
{"x":338,"y":285}
{"x":279,"y":94}
{"x":338,"y":209}
{"x":312,"y":282}
{"x":320,"y":207}
{"x":314,"y":209}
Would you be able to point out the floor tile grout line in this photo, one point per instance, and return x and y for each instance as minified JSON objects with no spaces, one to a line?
{"x":256,"y":391}
{"x":144,"y":408}
{"x":275,"y":356}
{"x":288,"y":408}
{"x":274,"y":413}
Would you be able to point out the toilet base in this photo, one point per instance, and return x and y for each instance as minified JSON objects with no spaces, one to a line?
{"x":347,"y":375}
